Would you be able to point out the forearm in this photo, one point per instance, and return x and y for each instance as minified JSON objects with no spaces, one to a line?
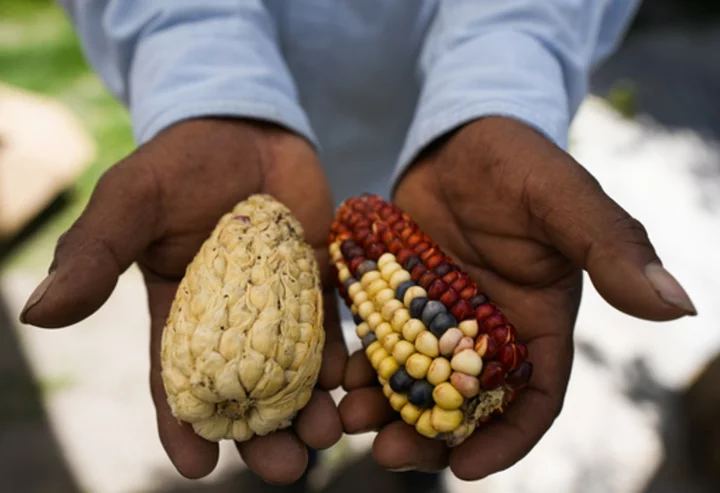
{"x":173,"y":60}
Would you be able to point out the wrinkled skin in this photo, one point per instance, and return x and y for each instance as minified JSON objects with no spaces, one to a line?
{"x":155,"y":208}
{"x":523,"y":219}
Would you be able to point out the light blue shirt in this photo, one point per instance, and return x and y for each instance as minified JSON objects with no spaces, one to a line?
{"x":369,"y":82}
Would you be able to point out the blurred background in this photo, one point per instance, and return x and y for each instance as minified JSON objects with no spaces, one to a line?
{"x":643,"y":407}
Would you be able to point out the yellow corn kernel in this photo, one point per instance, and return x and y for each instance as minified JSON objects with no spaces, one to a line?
{"x":388,"y":270}
{"x":397,"y":401}
{"x":387,"y":390}
{"x":402,"y":351}
{"x":412,"y":328}
{"x":444,"y":420}
{"x":387,"y":367}
{"x":469,"y":327}
{"x":365,"y":309}
{"x":398,"y":277}
{"x":467,"y":361}
{"x":424,"y":424}
{"x":447,"y":397}
{"x":383,"y":297}
{"x":412,"y":293}
{"x":390,"y":341}
{"x":344,"y":274}
{"x":335,"y":248}
{"x":416,"y":365}
{"x":389,"y":308}
{"x":360,"y":298}
{"x":375,"y":287}
{"x":427,"y":344}
{"x":369,"y":277}
{"x":362,"y":330}
{"x":382,"y":330}
{"x":354,"y":289}
{"x":370,"y":350}
{"x":374,"y":319}
{"x":378,"y":356}
{"x":410,"y":413}
{"x":399,"y":318}
{"x":439,"y":371}
{"x":385,"y":258}
{"x":382,"y":380}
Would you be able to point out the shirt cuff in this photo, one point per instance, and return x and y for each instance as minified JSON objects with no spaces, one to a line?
{"x":214,"y":68}
{"x":503,"y":73}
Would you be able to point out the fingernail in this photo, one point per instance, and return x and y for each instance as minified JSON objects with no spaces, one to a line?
{"x":36,"y":296}
{"x":668,"y":288}
{"x":402,"y":469}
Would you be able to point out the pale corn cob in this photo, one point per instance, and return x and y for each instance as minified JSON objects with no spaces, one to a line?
{"x":446,"y":356}
{"x":242,"y":345}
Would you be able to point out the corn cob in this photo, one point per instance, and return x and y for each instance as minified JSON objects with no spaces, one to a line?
{"x":447,"y":358}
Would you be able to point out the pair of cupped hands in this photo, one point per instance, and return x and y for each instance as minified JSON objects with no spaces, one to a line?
{"x":515,"y":211}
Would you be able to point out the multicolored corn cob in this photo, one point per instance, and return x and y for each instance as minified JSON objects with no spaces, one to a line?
{"x":445,"y":355}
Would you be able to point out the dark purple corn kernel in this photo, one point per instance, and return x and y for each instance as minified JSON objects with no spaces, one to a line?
{"x":441,"y":323}
{"x":421,"y":394}
{"x":357,"y":319}
{"x":411,"y":263}
{"x":401,"y":381}
{"x":478,"y":299}
{"x":365,"y":267}
{"x":349,"y":282}
{"x":356,"y":251}
{"x":431,"y":310}
{"x":402,"y":289}
{"x":443,"y":269}
{"x":346,"y":246}
{"x":368,"y":339}
{"x":417,"y":305}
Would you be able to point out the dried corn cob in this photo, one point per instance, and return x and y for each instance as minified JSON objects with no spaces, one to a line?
{"x":242,"y":345}
{"x":446,"y":356}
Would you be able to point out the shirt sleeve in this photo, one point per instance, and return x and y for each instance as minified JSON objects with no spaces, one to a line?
{"x":170,"y":60}
{"x":525,"y":59}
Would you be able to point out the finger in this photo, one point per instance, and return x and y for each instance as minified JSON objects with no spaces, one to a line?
{"x":318,"y":423}
{"x":598,"y":235}
{"x":115,"y":227}
{"x":399,"y":447}
{"x":192,"y":455}
{"x":335,"y":352}
{"x":364,"y":410}
{"x":359,"y":372}
{"x":504,"y":441}
{"x":278,"y":458}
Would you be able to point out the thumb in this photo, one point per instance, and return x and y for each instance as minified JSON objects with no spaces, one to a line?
{"x":598,"y":235}
{"x":116,"y":226}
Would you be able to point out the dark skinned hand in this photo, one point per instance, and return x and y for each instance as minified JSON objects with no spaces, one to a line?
{"x":155,"y":208}
{"x":524,"y":220}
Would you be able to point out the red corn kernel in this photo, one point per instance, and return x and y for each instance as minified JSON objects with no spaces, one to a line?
{"x":394,"y":218}
{"x":426,"y":279}
{"x":437,"y":289}
{"x":492,"y":375}
{"x":370,"y":239}
{"x":461,"y":310}
{"x":502,"y":335}
{"x":507,"y":356}
{"x":468,"y":292}
{"x":486,"y":347}
{"x":395,"y":246}
{"x":355,"y":262}
{"x":375,"y":250}
{"x":417,"y":272}
{"x":361,"y":236}
{"x":362,"y":223}
{"x":460,"y":283}
{"x":522,"y":351}
{"x":518,"y":378}
{"x":450,"y":277}
{"x":354,"y":218}
{"x":484,"y":311}
{"x":414,"y":240}
{"x":448,"y":297}
{"x":406,"y":233}
{"x":421,"y":247}
{"x":426,"y":254}
{"x":386,"y":212}
{"x":433,"y":262}
{"x":398,"y":227}
{"x":387,"y":236}
{"x":402,"y":256}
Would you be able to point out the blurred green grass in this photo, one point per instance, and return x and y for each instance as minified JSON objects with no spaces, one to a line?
{"x":40,"y":52}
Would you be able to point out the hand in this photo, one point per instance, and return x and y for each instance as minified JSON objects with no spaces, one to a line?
{"x":156,"y":208}
{"x":523,"y":219}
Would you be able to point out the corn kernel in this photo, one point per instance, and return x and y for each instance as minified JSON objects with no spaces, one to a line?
{"x":467,"y":361}
{"x":389,"y":308}
{"x":398,"y":277}
{"x":335,"y":248}
{"x":390,"y":341}
{"x":387,"y":390}
{"x":362,"y":330}
{"x":400,"y":316}
{"x":424,"y":424}
{"x":412,"y":328}
{"x":382,"y":380}
{"x":447,"y":397}
{"x":449,"y":341}
{"x":388,"y":270}
{"x":378,"y":356}
{"x":375,"y":287}
{"x":354,"y":289}
{"x":402,"y":351}
{"x":360,"y":298}
{"x":353,"y":309}
{"x":469,"y":327}
{"x":412,"y":293}
{"x":416,"y":365}
{"x":439,"y":371}
{"x":444,"y":420}
{"x":410,"y":413}
{"x":385,"y":258}
{"x":368,"y":278}
{"x":427,"y":344}
{"x":382,"y":330}
{"x":383,"y":297}
{"x":397,"y":401}
{"x":468,"y":386}
{"x":374,"y":319}
{"x":365,"y":309}
{"x":370,"y":350}
{"x":387,"y":367}
{"x":344,"y":274}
